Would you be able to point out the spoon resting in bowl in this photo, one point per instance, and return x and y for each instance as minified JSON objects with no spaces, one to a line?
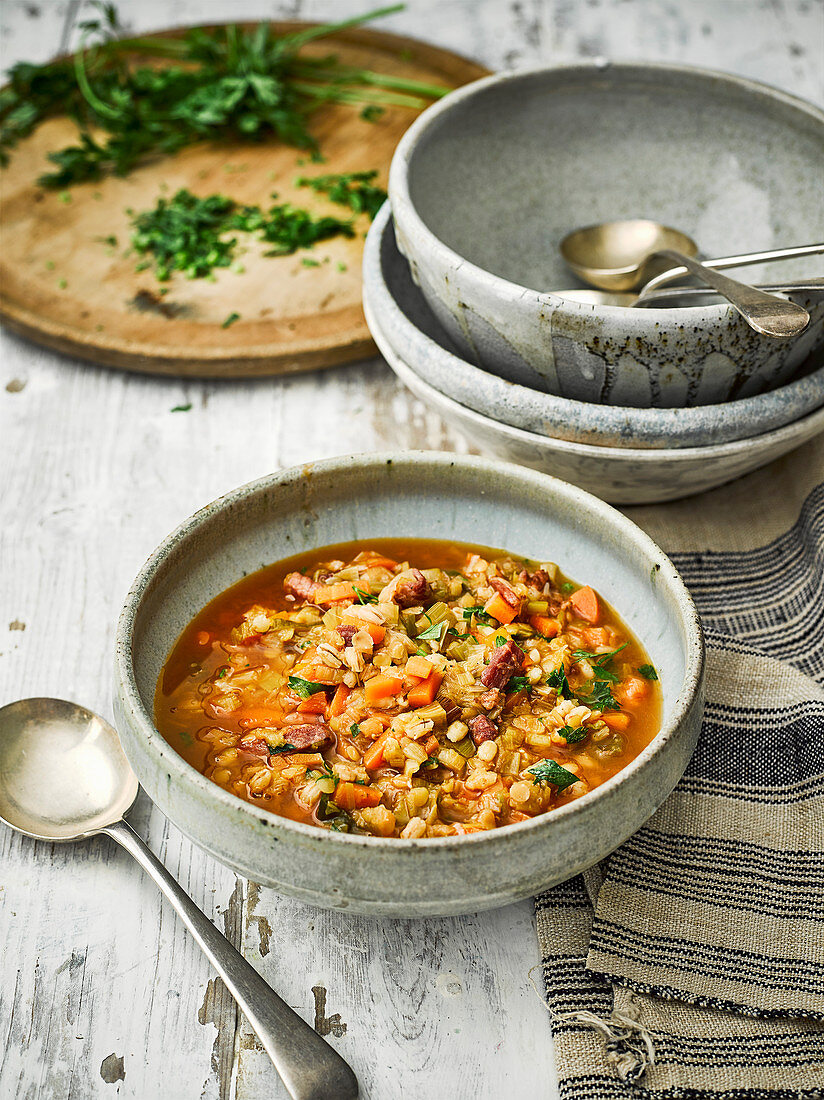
{"x":89,"y":792}
{"x":767,"y":313}
{"x":623,"y":255}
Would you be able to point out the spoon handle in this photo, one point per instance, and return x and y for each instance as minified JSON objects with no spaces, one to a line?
{"x":309,"y":1067}
{"x":766,"y":313}
{"x":737,"y":261}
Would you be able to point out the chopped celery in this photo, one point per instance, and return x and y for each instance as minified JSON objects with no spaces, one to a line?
{"x":434,"y":711}
{"x":465,"y":747}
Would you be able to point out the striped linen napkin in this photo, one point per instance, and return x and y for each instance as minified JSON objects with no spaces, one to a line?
{"x":690,"y":963}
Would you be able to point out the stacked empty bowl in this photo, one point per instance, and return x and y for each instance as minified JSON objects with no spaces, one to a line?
{"x":635,"y":405}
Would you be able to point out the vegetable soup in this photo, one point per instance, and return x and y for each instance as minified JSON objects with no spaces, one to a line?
{"x":408,"y":688}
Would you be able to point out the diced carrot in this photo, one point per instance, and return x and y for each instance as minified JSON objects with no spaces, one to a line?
{"x":380,"y":561}
{"x":373,"y":757}
{"x":307,"y":759}
{"x":595,"y":636}
{"x":376,"y":631}
{"x":616,"y":720}
{"x":419,"y":667}
{"x":338,"y":704}
{"x":331,"y":593}
{"x":256,"y":717}
{"x":432,"y":744}
{"x":353,"y":796}
{"x":585,"y":604}
{"x":374,"y":726}
{"x":315,"y":704}
{"x":544,"y":625}
{"x":632,"y":690}
{"x":499,"y":609}
{"x":423,"y":693}
{"x":382,"y":686}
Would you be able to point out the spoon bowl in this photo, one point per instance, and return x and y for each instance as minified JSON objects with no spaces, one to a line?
{"x":610,"y":255}
{"x":63,"y":773}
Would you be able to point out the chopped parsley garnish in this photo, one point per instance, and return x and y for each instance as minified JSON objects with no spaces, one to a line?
{"x":230,"y":320}
{"x":329,"y":811}
{"x":181,"y":408}
{"x":648,"y":672}
{"x":518,"y":683}
{"x":364,"y":596}
{"x":571,"y":736}
{"x":372,"y":112}
{"x":430,"y":762}
{"x":196,"y":235}
{"x":558,"y":680}
{"x":567,"y":586}
{"x":354,"y":730}
{"x":307,"y":261}
{"x":276,"y":750}
{"x":433,"y":633}
{"x":499,"y":640}
{"x":479,"y":613}
{"x":599,"y":657}
{"x":221,"y":672}
{"x":548,"y":771}
{"x":353,"y":189}
{"x":305,"y":688}
{"x":600,"y":697}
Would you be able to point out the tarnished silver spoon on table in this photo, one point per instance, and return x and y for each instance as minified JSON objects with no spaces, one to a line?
{"x":63,"y":777}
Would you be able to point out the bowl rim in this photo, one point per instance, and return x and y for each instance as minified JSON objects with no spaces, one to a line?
{"x":180,"y":771}
{"x":645,"y":456}
{"x":639,"y":419}
{"x":405,"y":210}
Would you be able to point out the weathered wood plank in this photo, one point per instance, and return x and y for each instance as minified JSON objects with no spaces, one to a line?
{"x":95,"y":469}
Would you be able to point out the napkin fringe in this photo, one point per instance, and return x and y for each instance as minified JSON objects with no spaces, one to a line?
{"x":630,"y":1046}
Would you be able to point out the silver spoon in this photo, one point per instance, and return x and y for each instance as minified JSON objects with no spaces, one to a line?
{"x":674,"y":294}
{"x":767,"y":313}
{"x":622,"y":255}
{"x":64,"y":776}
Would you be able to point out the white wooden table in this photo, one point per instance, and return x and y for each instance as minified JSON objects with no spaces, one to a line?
{"x":102,"y":993}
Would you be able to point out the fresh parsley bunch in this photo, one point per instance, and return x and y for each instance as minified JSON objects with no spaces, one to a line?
{"x":220,"y":83}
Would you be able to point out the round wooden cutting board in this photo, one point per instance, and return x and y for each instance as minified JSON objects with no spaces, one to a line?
{"x":63,"y":286}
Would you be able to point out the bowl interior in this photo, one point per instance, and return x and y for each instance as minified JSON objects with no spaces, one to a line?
{"x":503,"y":173}
{"x":465,"y":499}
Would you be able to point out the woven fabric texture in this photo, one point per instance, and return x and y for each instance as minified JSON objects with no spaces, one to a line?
{"x":690,"y":963}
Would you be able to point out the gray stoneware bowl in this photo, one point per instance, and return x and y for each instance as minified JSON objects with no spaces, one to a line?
{"x":414,"y":334}
{"x":381,"y":495}
{"x":486,"y":183}
{"x":621,"y":475}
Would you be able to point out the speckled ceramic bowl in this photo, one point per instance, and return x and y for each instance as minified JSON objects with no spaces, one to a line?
{"x":380,"y":495}
{"x":414,"y":334}
{"x":485,"y":184}
{"x":622,"y":475}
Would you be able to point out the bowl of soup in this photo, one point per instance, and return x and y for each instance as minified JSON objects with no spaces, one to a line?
{"x":406,"y":685}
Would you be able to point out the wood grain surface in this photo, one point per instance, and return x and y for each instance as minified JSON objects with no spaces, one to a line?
{"x":63,"y":286}
{"x":102,"y":992}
